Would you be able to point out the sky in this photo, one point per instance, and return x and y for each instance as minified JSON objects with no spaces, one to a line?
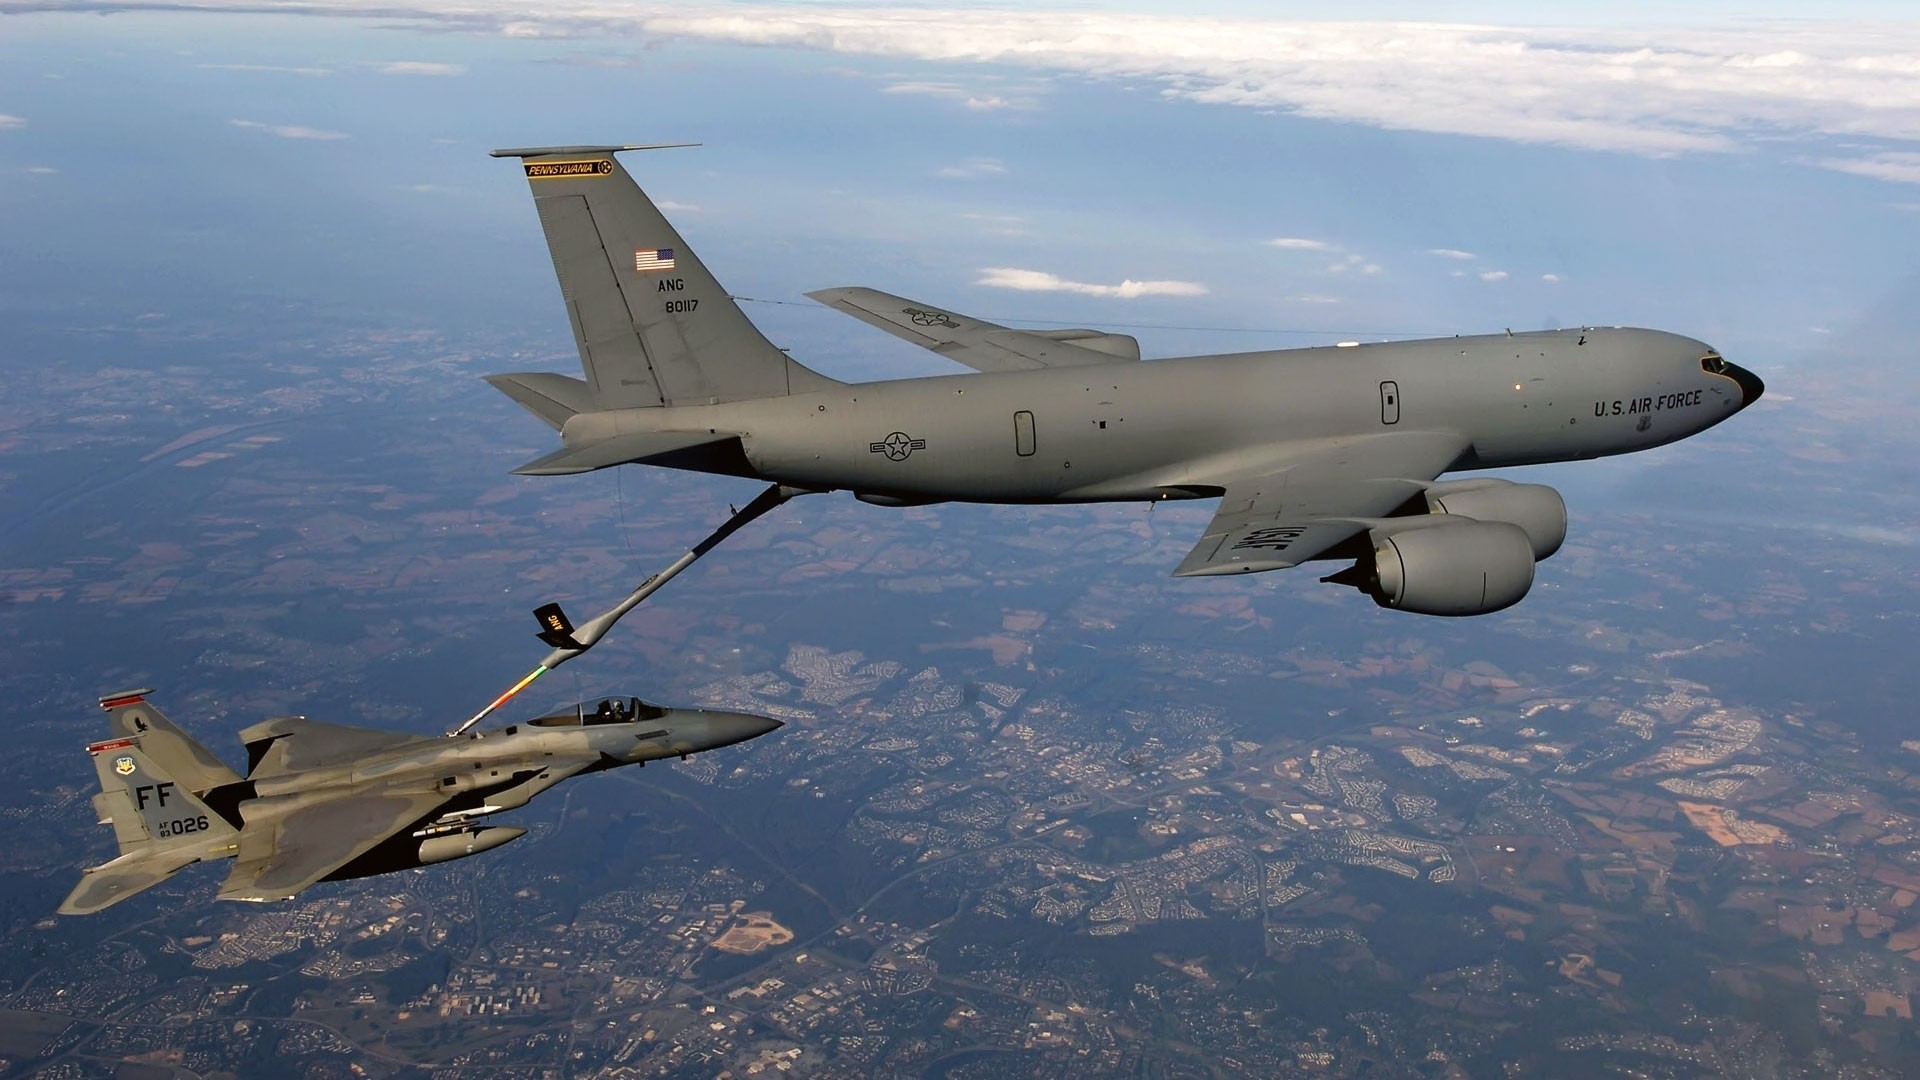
{"x":1214,"y":178}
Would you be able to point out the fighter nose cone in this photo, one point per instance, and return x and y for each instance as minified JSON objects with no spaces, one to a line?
{"x":727,"y":728}
{"x":1750,"y":385}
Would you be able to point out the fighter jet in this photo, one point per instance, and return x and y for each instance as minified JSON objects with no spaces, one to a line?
{"x":327,"y":802}
{"x":1315,"y":454}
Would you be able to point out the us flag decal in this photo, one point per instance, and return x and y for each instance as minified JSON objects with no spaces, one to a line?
{"x":649,"y":260}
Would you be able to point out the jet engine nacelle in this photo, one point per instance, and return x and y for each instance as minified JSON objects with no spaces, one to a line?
{"x":1444,"y":566}
{"x":458,"y":845}
{"x":1536,"y":508}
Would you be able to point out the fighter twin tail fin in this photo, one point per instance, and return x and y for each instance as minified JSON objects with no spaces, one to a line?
{"x":131,"y":715}
{"x":152,"y":784}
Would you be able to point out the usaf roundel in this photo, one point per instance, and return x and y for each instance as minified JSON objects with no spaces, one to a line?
{"x":123,"y":766}
{"x":897,"y":446}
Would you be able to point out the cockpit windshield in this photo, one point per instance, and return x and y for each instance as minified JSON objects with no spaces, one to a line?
{"x":627,"y":710}
{"x":1712,"y":363}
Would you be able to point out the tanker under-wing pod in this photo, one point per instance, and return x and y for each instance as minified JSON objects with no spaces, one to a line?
{"x":325,"y":802}
{"x":1315,"y":454}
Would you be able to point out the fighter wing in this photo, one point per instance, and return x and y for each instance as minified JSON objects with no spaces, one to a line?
{"x":280,"y":857}
{"x":980,"y":345}
{"x":1306,"y":506}
{"x":294,"y":743}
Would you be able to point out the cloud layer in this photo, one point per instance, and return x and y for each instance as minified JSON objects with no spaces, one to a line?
{"x":977,"y":100}
{"x":1007,"y":277}
{"x":421,"y":67}
{"x":1656,"y":91}
{"x":1900,"y":166}
{"x":973,"y":168}
{"x":290,"y":131}
{"x":267,"y":69}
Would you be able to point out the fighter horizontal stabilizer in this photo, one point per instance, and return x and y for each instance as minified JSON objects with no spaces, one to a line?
{"x":642,"y":447}
{"x":556,"y":630}
{"x":979,"y":344}
{"x":105,"y":885}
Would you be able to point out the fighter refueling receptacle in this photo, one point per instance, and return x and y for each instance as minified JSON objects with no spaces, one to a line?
{"x":1315,"y":454}
{"x":327,"y":802}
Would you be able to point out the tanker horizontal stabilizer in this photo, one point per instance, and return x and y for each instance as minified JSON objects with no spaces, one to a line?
{"x":621,"y":450}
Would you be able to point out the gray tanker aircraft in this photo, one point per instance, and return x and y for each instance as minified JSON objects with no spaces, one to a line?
{"x":1317,"y":453}
{"x":327,"y":802}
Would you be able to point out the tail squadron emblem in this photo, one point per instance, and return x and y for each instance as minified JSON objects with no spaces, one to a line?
{"x":123,"y":766}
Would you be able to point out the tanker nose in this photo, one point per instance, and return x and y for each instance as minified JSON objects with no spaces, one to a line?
{"x":1750,"y":385}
